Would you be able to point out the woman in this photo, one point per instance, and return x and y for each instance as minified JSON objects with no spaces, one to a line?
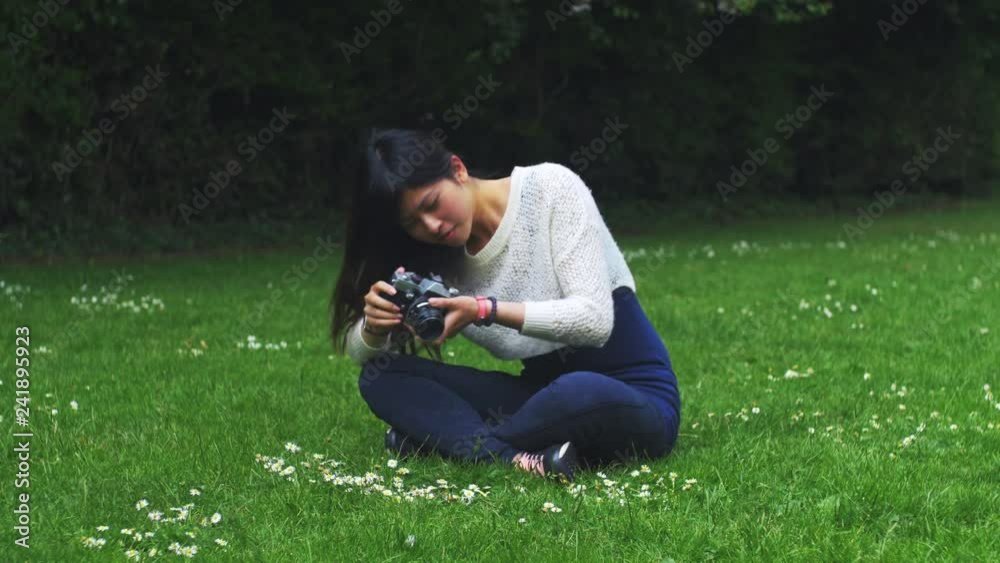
{"x":541,"y":280}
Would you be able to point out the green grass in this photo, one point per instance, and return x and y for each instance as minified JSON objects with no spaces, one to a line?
{"x":153,"y":422}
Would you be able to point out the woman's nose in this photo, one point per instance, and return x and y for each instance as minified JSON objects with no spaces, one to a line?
{"x":432,"y":224}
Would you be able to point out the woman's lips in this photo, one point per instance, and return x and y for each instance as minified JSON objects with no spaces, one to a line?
{"x":450,"y":233}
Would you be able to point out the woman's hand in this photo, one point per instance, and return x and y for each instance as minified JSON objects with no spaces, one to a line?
{"x":459,"y":312}
{"x":383,"y":315}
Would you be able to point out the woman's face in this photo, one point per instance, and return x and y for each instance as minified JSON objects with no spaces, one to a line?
{"x":438,"y":213}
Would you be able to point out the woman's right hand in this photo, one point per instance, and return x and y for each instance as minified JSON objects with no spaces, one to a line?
{"x":383,"y":315}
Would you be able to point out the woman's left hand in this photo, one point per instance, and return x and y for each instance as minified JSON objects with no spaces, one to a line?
{"x":459,"y":312}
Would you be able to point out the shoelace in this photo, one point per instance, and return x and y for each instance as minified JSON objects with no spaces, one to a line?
{"x":532,"y":463}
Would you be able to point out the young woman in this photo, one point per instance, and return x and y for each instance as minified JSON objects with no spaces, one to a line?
{"x":541,"y":280}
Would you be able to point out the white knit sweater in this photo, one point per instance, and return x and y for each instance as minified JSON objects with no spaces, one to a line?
{"x":553,"y":252}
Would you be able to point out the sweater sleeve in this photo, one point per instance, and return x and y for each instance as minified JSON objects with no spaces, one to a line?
{"x":585,"y":314}
{"x":358,"y":350}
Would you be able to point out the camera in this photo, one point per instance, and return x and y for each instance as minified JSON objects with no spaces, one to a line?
{"x":412,"y":295}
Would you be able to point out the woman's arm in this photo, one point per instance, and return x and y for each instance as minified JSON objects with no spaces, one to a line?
{"x":585,"y":315}
{"x":509,"y":314}
{"x":463,"y":310}
{"x":363,"y":346}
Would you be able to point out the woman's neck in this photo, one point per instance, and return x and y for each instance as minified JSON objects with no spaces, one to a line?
{"x":491,"y":203}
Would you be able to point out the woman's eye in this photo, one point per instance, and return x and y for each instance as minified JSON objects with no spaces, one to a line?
{"x":433,"y":204}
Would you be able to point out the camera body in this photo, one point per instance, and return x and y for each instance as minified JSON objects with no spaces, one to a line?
{"x":412,"y":295}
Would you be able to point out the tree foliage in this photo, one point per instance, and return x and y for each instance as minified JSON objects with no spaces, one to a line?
{"x":563,"y":68}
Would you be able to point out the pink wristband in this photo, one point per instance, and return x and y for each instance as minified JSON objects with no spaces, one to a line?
{"x":481,"y":301}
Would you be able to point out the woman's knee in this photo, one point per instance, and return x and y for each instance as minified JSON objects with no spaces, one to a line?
{"x":590,"y":389}
{"x":376,"y":371}
{"x":373,"y":372}
{"x":576,"y":380}
{"x":670,"y":433}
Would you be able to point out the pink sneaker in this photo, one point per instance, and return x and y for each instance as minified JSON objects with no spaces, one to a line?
{"x":556,"y":461}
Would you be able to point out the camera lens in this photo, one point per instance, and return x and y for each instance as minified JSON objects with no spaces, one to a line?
{"x":427,"y":321}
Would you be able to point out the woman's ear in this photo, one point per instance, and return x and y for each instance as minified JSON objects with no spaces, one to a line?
{"x":461,"y":173}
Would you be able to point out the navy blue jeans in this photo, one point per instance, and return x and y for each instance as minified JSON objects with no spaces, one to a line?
{"x":617,"y":402}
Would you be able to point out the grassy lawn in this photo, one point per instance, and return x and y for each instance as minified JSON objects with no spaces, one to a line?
{"x":833,"y":409}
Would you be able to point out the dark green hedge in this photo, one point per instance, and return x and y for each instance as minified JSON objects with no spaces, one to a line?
{"x":215,"y":72}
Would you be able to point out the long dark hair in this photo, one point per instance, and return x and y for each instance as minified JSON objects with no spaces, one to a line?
{"x":393,"y":160}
